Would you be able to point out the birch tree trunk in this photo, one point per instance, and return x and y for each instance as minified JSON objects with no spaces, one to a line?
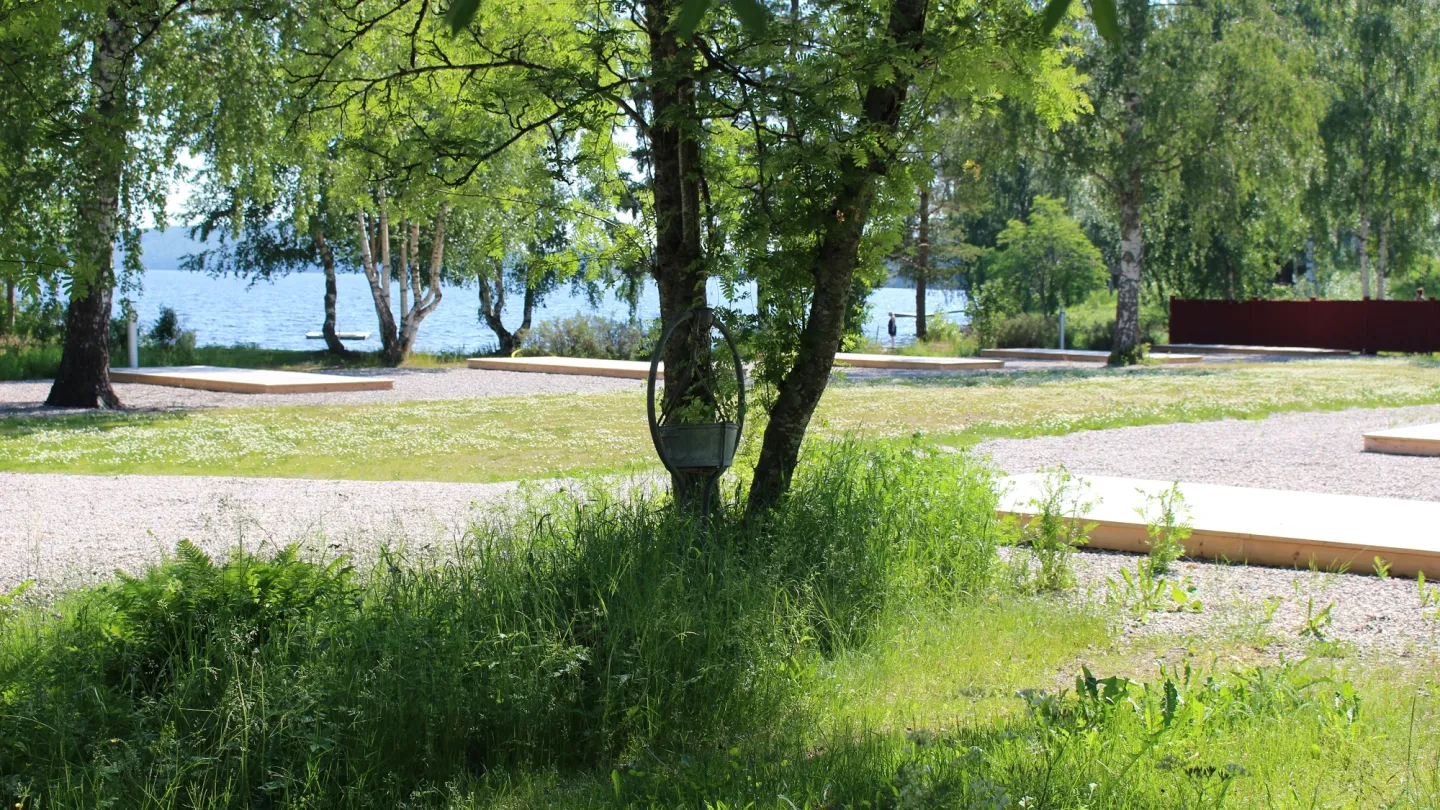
{"x":332,"y":293}
{"x":1382,"y":259}
{"x":83,"y":378}
{"x":1364,"y":255}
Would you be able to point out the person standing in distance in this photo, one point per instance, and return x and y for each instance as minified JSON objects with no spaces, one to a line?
{"x":891,"y":328}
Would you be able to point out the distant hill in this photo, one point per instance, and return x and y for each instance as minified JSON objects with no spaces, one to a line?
{"x":164,"y":250}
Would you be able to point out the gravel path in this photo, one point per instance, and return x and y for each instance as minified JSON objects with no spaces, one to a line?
{"x":411,"y":384}
{"x":68,"y":530}
{"x":1317,"y":452}
{"x":1314,"y":452}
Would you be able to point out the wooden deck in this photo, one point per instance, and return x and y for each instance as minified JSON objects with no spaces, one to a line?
{"x":1262,"y":526}
{"x":1081,"y":355}
{"x":900,"y":361}
{"x":1273,"y":351}
{"x":248,"y":380}
{"x":634,"y":369}
{"x":1415,"y":440}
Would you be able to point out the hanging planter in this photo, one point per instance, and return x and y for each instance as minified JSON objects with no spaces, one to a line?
{"x":698,"y":428}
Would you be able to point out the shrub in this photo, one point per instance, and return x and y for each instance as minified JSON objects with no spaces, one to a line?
{"x":592,"y":336}
{"x":1028,"y":331}
{"x":24,"y":360}
{"x":570,"y":631}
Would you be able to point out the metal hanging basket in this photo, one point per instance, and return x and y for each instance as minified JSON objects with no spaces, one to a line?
{"x":706,"y":447}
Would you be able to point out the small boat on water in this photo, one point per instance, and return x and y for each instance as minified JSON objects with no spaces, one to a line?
{"x":341,"y":335}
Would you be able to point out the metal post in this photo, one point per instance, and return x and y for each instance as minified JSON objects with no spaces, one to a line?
{"x":132,"y":344}
{"x":1062,"y":329}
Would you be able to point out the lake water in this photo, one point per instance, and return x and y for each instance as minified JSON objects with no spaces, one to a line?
{"x":277,"y":314}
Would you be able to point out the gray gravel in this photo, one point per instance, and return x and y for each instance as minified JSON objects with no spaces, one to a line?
{"x":68,"y":530}
{"x":1318,"y":452}
{"x":411,"y":384}
{"x":1313,"y":452}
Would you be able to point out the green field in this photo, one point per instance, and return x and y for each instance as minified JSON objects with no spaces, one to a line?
{"x":504,"y":438}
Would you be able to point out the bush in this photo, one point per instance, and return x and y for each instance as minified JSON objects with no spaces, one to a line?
{"x":592,"y":336}
{"x":569,"y":632}
{"x":24,"y":360}
{"x":1028,"y":331}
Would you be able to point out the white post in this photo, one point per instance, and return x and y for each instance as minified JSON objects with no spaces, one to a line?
{"x":131,"y":343}
{"x":1062,"y":329}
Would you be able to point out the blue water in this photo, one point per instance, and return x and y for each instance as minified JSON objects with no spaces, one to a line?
{"x":277,"y":314}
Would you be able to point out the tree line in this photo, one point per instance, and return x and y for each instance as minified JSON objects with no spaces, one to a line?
{"x":810,"y":149}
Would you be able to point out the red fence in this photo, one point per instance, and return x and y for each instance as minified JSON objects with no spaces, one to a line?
{"x":1361,"y":326}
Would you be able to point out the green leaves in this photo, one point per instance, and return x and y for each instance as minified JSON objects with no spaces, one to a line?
{"x":461,"y":13}
{"x":1102,"y":13}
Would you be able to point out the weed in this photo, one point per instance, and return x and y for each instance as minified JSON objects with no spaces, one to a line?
{"x":1056,"y":527}
{"x":1167,"y":523}
{"x":1315,"y":623}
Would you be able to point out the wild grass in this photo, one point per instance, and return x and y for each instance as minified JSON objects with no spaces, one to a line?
{"x":860,"y":649}
{"x":24,"y":360}
{"x":508,"y":438}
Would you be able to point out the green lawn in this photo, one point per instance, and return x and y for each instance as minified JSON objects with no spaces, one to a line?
{"x":506,"y":438}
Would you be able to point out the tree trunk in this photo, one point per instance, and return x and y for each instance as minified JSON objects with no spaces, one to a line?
{"x":1364,"y":255}
{"x":836,"y":257}
{"x":1382,"y":259}
{"x":332,"y":293}
{"x":10,"y":306}
{"x":379,"y":277}
{"x":1125,"y":349}
{"x":679,"y":267}
{"x":83,"y":379}
{"x":492,"y":309}
{"x":922,"y":262}
{"x":426,"y":300}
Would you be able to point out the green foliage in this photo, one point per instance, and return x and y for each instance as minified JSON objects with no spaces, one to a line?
{"x":596,"y":336}
{"x":1047,"y":263}
{"x":1055,"y":529}
{"x":1032,"y":331}
{"x":574,"y":631}
{"x":23,"y":360}
{"x":1167,"y":523}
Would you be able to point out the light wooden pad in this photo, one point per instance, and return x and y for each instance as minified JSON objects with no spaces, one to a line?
{"x":900,"y":361}
{"x":1081,"y":355}
{"x":248,"y":380}
{"x":1276,"y":351}
{"x":1415,"y":440}
{"x":1260,"y":526}
{"x":566,"y":365}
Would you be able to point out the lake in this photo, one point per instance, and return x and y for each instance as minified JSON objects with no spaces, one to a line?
{"x":277,"y":314}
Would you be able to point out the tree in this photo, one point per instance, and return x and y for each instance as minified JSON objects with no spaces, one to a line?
{"x":1379,"y":57}
{"x":1174,"y":87}
{"x":1047,"y":263}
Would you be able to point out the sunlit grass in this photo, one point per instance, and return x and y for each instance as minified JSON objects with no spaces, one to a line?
{"x":506,"y":438}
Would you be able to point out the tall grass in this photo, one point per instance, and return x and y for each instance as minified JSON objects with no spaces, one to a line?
{"x":24,"y":360}
{"x":571,"y":633}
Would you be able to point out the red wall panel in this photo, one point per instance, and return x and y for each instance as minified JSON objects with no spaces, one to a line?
{"x":1361,"y":326}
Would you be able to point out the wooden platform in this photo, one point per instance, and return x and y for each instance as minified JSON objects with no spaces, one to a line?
{"x":1262,"y":526}
{"x":900,"y":361}
{"x":1415,"y":440}
{"x":248,"y":380}
{"x":338,"y":335}
{"x":1274,"y":351}
{"x":1081,"y":355}
{"x":634,"y":369}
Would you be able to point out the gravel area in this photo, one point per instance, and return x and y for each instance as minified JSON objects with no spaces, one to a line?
{"x":68,"y":530}
{"x":1264,"y":609}
{"x":411,"y":384}
{"x":1312,"y":452}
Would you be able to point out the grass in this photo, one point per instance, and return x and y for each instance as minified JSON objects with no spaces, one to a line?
{"x":506,"y":438}
{"x":31,"y":361}
{"x":861,"y":649}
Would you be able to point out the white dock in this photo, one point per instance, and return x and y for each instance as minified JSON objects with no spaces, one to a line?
{"x":1415,"y":440}
{"x":634,"y":369}
{"x":900,"y":361}
{"x":248,"y":380}
{"x":1082,"y":355}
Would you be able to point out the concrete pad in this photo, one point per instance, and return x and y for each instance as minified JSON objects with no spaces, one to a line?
{"x":248,"y":380}
{"x":1260,"y":526}
{"x":1415,"y":440}
{"x":1276,"y":351}
{"x":900,"y":361}
{"x":1081,"y":355}
{"x":567,"y":365}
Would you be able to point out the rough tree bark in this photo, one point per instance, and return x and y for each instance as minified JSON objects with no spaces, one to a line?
{"x":1126,"y":344}
{"x":492,"y":308}
{"x":376,"y":230}
{"x":332,"y":293}
{"x":1382,"y":259}
{"x":922,"y":263}
{"x":83,"y":378}
{"x":834,"y":267}
{"x":679,"y":266}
